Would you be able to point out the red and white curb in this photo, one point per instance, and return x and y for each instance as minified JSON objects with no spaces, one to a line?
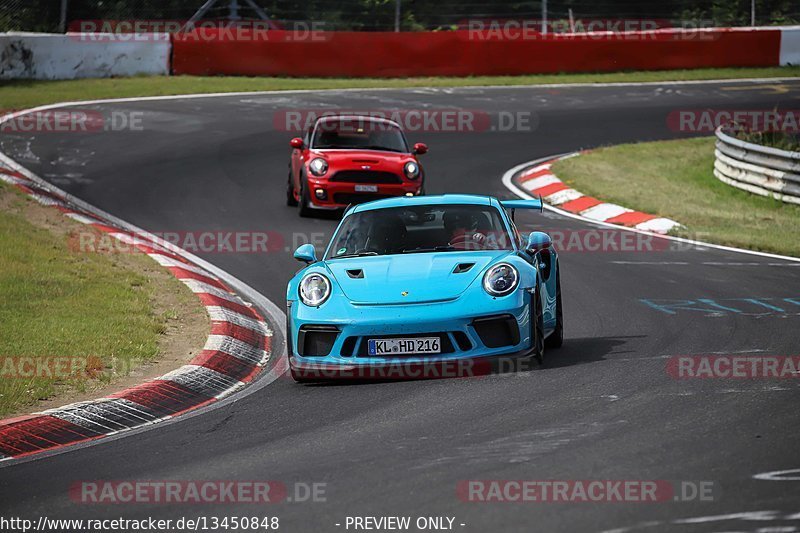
{"x":539,"y":180}
{"x":509,"y":180}
{"x":237,"y":350}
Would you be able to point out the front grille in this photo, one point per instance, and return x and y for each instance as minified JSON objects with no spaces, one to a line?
{"x":349,"y":346}
{"x":463,"y":341}
{"x":444,"y":342}
{"x":357,"y":198}
{"x":497,"y":331}
{"x":365,"y":176}
{"x":316,"y":341}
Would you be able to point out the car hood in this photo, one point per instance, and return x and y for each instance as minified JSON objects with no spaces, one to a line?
{"x":375,"y":159}
{"x":423,"y":277}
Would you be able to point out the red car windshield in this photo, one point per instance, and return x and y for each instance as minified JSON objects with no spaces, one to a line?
{"x":358,"y":134}
{"x":420,"y":229}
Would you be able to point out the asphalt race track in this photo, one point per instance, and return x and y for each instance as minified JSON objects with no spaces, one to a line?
{"x":603,"y":407}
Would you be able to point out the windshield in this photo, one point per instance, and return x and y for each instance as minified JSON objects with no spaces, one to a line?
{"x":358,"y":134}
{"x":420,"y":229}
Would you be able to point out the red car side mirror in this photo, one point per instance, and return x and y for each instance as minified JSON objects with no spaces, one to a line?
{"x":420,"y":148}
{"x":297,"y":143}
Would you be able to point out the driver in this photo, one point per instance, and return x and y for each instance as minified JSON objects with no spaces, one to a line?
{"x":463,"y":228}
{"x":387,"y":235}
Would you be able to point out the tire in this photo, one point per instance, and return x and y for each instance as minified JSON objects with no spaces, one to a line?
{"x":290,"y":199}
{"x":537,"y":327}
{"x":305,"y":200}
{"x":556,"y":339}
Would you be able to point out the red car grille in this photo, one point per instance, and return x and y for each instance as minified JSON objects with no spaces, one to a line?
{"x":365,"y":176}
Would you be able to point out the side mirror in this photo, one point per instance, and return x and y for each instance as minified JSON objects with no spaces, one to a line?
{"x":538,"y":241}
{"x":306,"y":253}
{"x":420,"y":148}
{"x":297,"y":143}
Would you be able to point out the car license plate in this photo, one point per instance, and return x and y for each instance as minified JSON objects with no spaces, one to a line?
{"x":366,"y":188}
{"x":404,"y":346}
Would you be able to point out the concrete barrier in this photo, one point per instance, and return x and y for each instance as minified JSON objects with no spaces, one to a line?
{"x":60,"y":57}
{"x":790,"y":46}
{"x":469,"y":53}
{"x":387,"y":54}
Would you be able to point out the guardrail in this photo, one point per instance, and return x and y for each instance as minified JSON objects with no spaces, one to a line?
{"x":757,"y":169}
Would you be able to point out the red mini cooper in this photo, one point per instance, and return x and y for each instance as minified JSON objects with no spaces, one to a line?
{"x":348,"y":159}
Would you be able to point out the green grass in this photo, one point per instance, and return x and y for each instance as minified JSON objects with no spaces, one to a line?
{"x":675,"y":179}
{"x":60,"y":302}
{"x":24,"y":94}
{"x":776,"y":139}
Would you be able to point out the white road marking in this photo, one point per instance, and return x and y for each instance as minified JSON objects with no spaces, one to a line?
{"x":236,"y":348}
{"x":780,"y":475}
{"x":202,"y":379}
{"x":562,"y":197}
{"x":650,"y":263}
{"x":706,"y":263}
{"x":167,"y":261}
{"x":658,"y":225}
{"x":83,"y":219}
{"x":445,"y":90}
{"x":605,"y":211}
{"x":542,"y":181}
{"x":199,"y":287}
{"x":222,"y":314}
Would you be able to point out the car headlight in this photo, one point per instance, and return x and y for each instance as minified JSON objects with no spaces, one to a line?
{"x":314,"y":289}
{"x":318,"y":166}
{"x":501,"y":279}
{"x":411,"y":170}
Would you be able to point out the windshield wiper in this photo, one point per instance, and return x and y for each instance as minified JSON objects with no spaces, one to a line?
{"x":430,"y":249}
{"x":359,"y":254}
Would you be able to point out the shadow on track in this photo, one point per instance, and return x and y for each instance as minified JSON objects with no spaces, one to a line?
{"x":585,"y":350}
{"x":574,"y":352}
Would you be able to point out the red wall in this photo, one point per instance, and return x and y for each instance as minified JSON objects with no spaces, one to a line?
{"x":455,"y":53}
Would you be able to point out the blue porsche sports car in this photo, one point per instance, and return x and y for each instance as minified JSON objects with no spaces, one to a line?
{"x":412,"y":281}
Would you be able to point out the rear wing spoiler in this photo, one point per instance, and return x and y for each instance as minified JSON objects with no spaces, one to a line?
{"x":513,"y":205}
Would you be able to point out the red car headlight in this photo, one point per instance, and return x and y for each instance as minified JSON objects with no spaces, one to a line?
{"x":411,"y":170}
{"x":318,"y":166}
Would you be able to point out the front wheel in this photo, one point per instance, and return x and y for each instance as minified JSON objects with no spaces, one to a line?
{"x":291,"y":201}
{"x":556,"y":339}
{"x":537,"y":327}
{"x":305,"y":200}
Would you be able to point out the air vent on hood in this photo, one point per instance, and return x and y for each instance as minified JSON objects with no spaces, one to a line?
{"x":463,"y":267}
{"x":356,"y":273}
{"x":367,"y":161}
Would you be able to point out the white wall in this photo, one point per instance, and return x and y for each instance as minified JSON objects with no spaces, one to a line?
{"x":61,"y":57}
{"x":790,"y":45}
